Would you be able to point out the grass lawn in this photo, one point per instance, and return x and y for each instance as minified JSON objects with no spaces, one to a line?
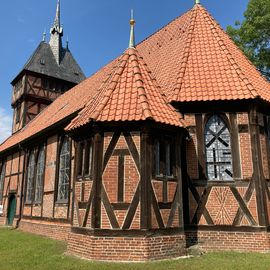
{"x":22,"y":251}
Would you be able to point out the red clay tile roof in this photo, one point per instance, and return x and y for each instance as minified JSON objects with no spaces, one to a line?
{"x":192,"y":59}
{"x":197,"y":61}
{"x":67,"y":104}
{"x":129,"y":94}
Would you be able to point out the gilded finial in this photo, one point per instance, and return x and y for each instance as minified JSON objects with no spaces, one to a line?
{"x":132,"y":35}
{"x":197,"y":1}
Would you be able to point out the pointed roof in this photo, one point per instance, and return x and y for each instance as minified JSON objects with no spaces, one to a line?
{"x":42,"y":61}
{"x":129,"y":94}
{"x":56,"y":36}
{"x":57,"y":16}
{"x":193,"y":59}
{"x":51,"y":59}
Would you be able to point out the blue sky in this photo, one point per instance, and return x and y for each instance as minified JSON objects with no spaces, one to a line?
{"x":98,"y":31}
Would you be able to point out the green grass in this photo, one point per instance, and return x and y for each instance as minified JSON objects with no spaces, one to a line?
{"x":22,"y":251}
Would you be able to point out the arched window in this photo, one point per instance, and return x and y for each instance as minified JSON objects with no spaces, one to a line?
{"x":40,"y":174}
{"x":30,"y":177}
{"x":218,"y":149}
{"x":2,"y":179}
{"x":64,"y":171}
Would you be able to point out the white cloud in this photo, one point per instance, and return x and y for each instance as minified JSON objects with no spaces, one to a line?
{"x":5,"y":124}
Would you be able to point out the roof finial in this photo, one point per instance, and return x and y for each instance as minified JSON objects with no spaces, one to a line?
{"x":57,"y":15}
{"x":56,"y":35}
{"x":132,"y":35}
{"x":67,"y":43}
{"x":44,"y":35}
{"x":197,"y":1}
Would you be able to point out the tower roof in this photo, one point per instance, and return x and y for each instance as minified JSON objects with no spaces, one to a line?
{"x":51,"y":59}
{"x":42,"y":61}
{"x":129,"y":94}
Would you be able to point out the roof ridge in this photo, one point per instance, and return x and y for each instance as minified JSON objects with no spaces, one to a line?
{"x":140,"y":84}
{"x":227,"y":52}
{"x":186,"y":54}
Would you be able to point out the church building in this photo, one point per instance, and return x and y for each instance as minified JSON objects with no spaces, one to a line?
{"x":165,"y":147}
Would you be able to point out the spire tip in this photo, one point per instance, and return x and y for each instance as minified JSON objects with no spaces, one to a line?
{"x":132,"y":35}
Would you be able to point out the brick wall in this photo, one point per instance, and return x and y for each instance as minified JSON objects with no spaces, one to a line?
{"x":126,"y":248}
{"x":57,"y":231}
{"x":237,"y":241}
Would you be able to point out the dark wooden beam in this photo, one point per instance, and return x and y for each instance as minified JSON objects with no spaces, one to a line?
{"x":243,"y":206}
{"x":257,"y":176}
{"x":146,"y":174}
{"x":247,"y":197}
{"x":200,"y":146}
{"x":109,"y":209}
{"x":121,"y":180}
{"x":97,"y":176}
{"x":235,"y":146}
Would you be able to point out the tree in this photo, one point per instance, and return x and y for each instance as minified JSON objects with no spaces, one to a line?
{"x":253,"y":34}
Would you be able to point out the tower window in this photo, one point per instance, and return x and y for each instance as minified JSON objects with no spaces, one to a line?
{"x":218,"y":149}
{"x":18,"y":113}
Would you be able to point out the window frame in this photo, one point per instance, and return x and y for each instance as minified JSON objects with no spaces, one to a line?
{"x":162,"y":163}
{"x":58,"y":173}
{"x":42,"y":175}
{"x":18,"y":113}
{"x":84,"y":159}
{"x":227,"y":124}
{"x":2,"y":179}
{"x":32,"y":153}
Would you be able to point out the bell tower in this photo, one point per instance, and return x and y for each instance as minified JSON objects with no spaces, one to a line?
{"x":49,"y":72}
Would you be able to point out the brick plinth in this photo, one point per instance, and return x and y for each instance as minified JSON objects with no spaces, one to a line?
{"x":3,"y":221}
{"x":126,"y":248}
{"x":57,"y":231}
{"x":224,"y":240}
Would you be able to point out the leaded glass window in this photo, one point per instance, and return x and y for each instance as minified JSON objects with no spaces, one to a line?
{"x":2,"y":179}
{"x":39,"y":175}
{"x":84,"y":159}
{"x":64,"y":171}
{"x":30,"y":177}
{"x":218,"y":150}
{"x":164,"y":157}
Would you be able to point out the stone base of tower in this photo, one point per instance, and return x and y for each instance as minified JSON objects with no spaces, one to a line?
{"x":126,"y":248}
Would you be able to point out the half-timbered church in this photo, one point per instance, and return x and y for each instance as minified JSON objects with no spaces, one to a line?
{"x":166,"y":147}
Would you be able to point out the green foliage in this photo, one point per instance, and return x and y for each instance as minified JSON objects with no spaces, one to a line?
{"x":253,"y":34}
{"x":22,"y":251}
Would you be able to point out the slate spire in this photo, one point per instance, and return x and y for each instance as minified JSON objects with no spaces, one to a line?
{"x":56,"y":35}
{"x":132,"y":35}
